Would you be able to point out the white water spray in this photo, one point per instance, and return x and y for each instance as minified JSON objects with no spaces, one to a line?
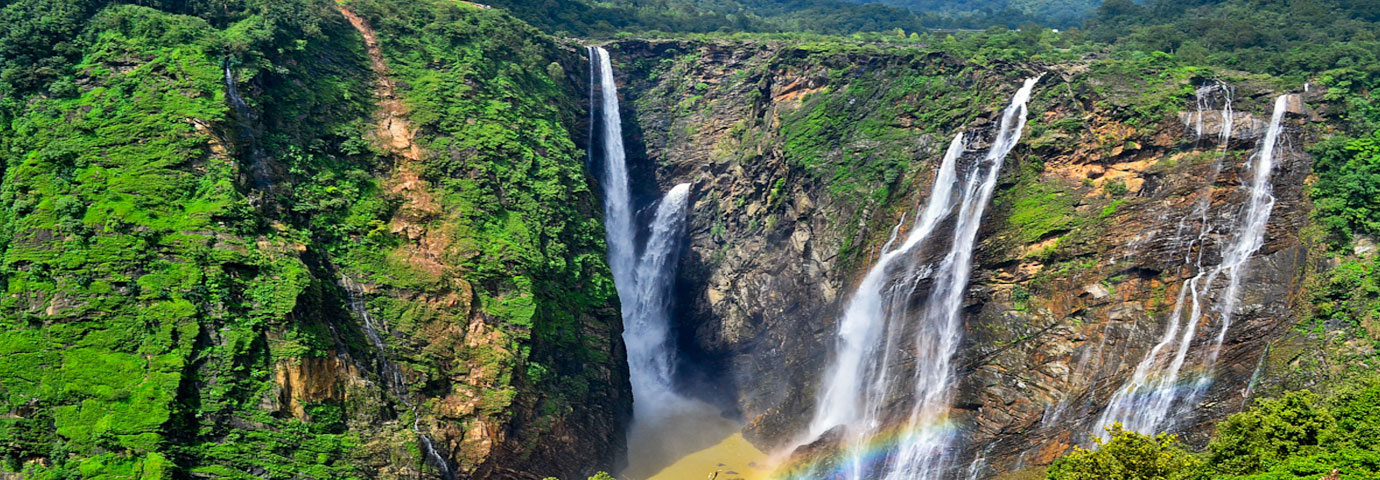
{"x":643,"y":283}
{"x":1146,"y":403}
{"x":646,"y":322}
{"x":860,"y":385}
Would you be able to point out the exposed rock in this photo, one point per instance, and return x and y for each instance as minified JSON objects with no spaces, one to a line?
{"x":1098,"y":292}
{"x":1363,"y":245}
{"x":311,"y":380}
{"x":1245,"y":126}
{"x":1293,"y":105}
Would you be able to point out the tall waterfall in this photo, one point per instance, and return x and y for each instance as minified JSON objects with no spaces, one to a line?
{"x":879,"y":327}
{"x":618,"y":222}
{"x":1146,"y":403}
{"x":660,"y":415}
{"x":643,"y":283}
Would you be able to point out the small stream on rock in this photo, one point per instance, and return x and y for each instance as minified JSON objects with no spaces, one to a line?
{"x":258,"y":161}
{"x":391,"y":375}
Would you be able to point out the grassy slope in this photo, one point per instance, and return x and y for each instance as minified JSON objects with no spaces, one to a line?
{"x":155,"y":283}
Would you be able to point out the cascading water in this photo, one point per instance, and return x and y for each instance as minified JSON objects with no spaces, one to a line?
{"x":1146,"y":403}
{"x":665,"y":424}
{"x":642,"y":282}
{"x":261,"y":176}
{"x":391,"y":375}
{"x":232,"y":90}
{"x":859,"y":384}
{"x":1204,"y":98}
{"x":865,"y":319}
{"x":646,"y":323}
{"x":1156,"y":384}
{"x":618,"y":224}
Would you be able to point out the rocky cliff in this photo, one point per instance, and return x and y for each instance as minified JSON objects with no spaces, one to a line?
{"x":804,"y":156}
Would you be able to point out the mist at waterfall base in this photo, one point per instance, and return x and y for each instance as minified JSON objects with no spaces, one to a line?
{"x":1158,"y":392}
{"x":666,"y":426}
{"x":860,"y":390}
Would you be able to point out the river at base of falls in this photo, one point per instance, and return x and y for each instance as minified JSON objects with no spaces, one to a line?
{"x":694,"y":443}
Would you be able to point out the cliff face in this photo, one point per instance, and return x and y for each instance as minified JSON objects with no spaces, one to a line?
{"x":803,"y":157}
{"x":336,"y":240}
{"x":791,"y":190}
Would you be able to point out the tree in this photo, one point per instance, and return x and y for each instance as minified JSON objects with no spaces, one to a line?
{"x":1128,"y":456}
{"x":1259,"y":438}
{"x":1347,"y":193}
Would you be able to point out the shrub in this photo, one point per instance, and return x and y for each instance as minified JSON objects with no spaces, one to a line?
{"x":1345,"y":195}
{"x":1128,"y":455}
{"x":1115,"y":188}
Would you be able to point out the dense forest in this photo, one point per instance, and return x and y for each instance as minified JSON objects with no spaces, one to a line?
{"x":172,"y":251}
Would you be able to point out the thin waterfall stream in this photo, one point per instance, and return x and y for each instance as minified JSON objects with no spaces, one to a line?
{"x":261,"y":177}
{"x":1153,"y":396}
{"x":391,"y":375}
{"x":389,"y":372}
{"x":861,"y":382}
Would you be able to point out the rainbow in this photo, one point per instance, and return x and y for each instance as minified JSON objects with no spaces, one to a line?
{"x":872,"y":454}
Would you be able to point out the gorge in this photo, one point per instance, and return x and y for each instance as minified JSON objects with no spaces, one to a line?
{"x":428,"y":240}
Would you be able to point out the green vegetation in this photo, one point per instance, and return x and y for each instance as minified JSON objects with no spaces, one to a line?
{"x":605,"y":18}
{"x":165,"y":257}
{"x":1287,"y":38}
{"x":1038,"y":210}
{"x":127,"y":241}
{"x":983,"y":13}
{"x":1127,"y":455}
{"x":1347,"y":193}
{"x":1115,"y":188}
{"x":1298,"y":435}
{"x":520,"y":209}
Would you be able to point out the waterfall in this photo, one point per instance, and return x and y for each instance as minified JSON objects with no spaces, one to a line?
{"x":618,"y":223}
{"x":646,"y":323}
{"x":391,"y":375}
{"x":232,"y":90}
{"x":665,"y":424}
{"x":1203,"y":97}
{"x":860,"y":384}
{"x":864,"y":320}
{"x":260,"y":175}
{"x":642,"y":283}
{"x":1146,"y":403}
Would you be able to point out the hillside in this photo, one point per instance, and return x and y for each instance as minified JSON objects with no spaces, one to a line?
{"x":231,"y":250}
